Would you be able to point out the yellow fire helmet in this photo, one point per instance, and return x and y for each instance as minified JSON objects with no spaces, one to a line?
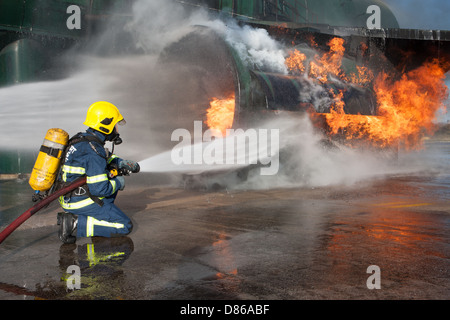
{"x":103,"y":116}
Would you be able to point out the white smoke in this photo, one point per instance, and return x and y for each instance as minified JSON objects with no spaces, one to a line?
{"x":309,"y":159}
{"x":157,"y":23}
{"x":254,"y":45}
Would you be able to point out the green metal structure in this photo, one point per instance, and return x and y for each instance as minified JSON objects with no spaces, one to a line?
{"x":338,"y":13}
{"x":35,"y":34}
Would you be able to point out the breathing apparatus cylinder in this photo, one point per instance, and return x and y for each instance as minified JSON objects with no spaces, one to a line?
{"x":47,"y":163}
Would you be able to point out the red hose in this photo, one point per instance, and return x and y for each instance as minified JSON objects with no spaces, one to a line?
{"x":27,"y":214}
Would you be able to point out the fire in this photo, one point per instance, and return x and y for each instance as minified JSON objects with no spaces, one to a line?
{"x":363,"y":78}
{"x":409,"y":105}
{"x":220,"y":115}
{"x":406,"y":109}
{"x":295,"y":61}
{"x":330,"y":63}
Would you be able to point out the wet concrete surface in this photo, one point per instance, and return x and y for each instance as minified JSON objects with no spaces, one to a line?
{"x":279,"y":244}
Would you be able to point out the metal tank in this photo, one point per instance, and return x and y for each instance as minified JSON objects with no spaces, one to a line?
{"x":258,"y":93}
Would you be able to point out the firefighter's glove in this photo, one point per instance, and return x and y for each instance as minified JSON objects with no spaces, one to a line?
{"x":121,"y":180}
{"x":129,"y":165}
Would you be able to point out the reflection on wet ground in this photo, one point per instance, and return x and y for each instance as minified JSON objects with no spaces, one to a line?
{"x":408,"y":247}
{"x":99,"y":266}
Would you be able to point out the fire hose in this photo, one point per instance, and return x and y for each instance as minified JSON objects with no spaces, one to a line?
{"x":46,"y":170}
{"x":43,"y":203}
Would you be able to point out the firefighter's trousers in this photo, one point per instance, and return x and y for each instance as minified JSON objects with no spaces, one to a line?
{"x":103,"y":221}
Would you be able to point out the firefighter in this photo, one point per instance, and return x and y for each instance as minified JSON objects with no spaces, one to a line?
{"x":90,"y":209}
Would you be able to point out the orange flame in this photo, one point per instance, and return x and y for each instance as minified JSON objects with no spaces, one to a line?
{"x":295,"y":61}
{"x":363,"y":78}
{"x":220,"y":115}
{"x":329,"y":63}
{"x":406,"y":109}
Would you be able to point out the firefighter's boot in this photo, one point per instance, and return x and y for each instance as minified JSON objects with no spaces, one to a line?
{"x":67,"y":224}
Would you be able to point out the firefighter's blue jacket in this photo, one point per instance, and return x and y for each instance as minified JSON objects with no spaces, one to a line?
{"x":94,"y":205}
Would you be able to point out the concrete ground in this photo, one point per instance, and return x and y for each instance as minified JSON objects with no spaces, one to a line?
{"x":279,"y":244}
